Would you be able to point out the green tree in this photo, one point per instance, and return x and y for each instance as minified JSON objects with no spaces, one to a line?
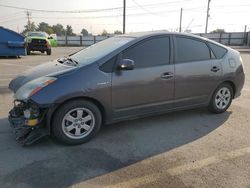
{"x":84,"y":32}
{"x":58,"y":29}
{"x":117,"y":32}
{"x":218,"y":31}
{"x":43,"y":26}
{"x":69,"y":30}
{"x":104,"y":33}
{"x":31,"y":26}
{"x":49,"y":30}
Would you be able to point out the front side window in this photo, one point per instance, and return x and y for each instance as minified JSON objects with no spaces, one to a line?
{"x":191,"y":50}
{"x":148,"y":53}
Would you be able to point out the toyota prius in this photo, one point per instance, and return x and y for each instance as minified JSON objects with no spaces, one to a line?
{"x":120,"y":78}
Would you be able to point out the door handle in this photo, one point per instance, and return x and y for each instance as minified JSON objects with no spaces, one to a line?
{"x":215,"y":69}
{"x":167,"y":75}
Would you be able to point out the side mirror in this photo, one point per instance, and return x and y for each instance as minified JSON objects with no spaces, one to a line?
{"x":126,"y":64}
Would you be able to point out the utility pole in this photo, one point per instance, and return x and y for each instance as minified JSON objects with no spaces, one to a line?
{"x":28,"y":14}
{"x":208,"y":8}
{"x":124,"y":16}
{"x":180,"y":20}
{"x":245,"y":35}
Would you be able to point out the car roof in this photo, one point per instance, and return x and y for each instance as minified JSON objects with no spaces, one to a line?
{"x":141,"y":35}
{"x":156,"y":33}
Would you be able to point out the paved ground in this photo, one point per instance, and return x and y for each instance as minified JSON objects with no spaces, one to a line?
{"x":183,"y":149}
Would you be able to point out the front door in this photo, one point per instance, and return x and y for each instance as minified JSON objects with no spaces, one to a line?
{"x":149,"y":87}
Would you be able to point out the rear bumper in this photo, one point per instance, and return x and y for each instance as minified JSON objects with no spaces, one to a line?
{"x":240,"y":80}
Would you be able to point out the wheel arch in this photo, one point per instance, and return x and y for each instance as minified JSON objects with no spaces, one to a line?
{"x":230,"y":82}
{"x":53,"y":110}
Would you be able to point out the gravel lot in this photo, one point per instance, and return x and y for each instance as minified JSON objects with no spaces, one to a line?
{"x":183,"y":149}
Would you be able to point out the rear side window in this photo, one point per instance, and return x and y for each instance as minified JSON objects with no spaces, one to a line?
{"x":152,"y":52}
{"x":191,"y":50}
{"x":218,"y":51}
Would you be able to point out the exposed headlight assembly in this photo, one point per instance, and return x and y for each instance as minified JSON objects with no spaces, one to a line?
{"x":32,"y":87}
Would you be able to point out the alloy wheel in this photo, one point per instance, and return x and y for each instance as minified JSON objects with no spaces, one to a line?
{"x":222,"y":98}
{"x":78,"y":123}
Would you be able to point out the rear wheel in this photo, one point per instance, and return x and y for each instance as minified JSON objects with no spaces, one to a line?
{"x":221,"y":99}
{"x":76,"y":122}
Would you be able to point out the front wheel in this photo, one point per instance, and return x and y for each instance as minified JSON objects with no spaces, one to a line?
{"x":76,"y":122}
{"x":221,"y":99}
{"x":48,"y":52}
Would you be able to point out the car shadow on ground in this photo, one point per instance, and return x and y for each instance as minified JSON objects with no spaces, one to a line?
{"x":50,"y":164}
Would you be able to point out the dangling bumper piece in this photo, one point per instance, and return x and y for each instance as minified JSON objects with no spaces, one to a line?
{"x":27,"y":119}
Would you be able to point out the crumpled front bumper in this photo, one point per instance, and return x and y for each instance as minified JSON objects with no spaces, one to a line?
{"x":25,"y":134}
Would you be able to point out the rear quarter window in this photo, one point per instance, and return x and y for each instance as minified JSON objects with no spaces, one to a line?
{"x":218,"y":51}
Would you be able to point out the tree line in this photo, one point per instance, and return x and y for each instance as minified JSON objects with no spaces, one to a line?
{"x":59,"y":29}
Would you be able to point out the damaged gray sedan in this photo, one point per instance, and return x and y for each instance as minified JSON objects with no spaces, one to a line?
{"x":120,"y":78}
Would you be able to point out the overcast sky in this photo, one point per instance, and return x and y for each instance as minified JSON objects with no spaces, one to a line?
{"x":142,"y":15}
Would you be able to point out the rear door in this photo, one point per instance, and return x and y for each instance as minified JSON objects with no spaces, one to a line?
{"x":196,"y":71}
{"x":149,"y":87}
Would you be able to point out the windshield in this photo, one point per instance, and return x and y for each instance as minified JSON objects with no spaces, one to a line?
{"x":36,"y":34}
{"x":99,"y":50}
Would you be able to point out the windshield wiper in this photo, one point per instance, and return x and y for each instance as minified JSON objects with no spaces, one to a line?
{"x":72,"y":60}
{"x":68,"y":60}
{"x":61,"y":60}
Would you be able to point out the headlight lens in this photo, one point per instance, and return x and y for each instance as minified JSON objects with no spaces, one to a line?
{"x":32,"y":87}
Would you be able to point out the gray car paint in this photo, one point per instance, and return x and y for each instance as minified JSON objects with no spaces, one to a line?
{"x":51,"y":68}
{"x":129,"y":94}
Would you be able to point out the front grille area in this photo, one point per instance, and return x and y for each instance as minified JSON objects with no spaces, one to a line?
{"x":38,"y":42}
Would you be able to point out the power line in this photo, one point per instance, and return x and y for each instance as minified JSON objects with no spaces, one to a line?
{"x":63,"y":11}
{"x":114,"y":8}
{"x":93,"y":17}
{"x":112,"y":16}
{"x":11,"y":20}
{"x":11,"y":15}
{"x":142,"y":7}
{"x":89,"y":10}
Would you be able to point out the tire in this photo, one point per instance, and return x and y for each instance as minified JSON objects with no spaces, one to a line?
{"x":71,"y":126}
{"x":48,"y":52}
{"x":221,"y":99}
